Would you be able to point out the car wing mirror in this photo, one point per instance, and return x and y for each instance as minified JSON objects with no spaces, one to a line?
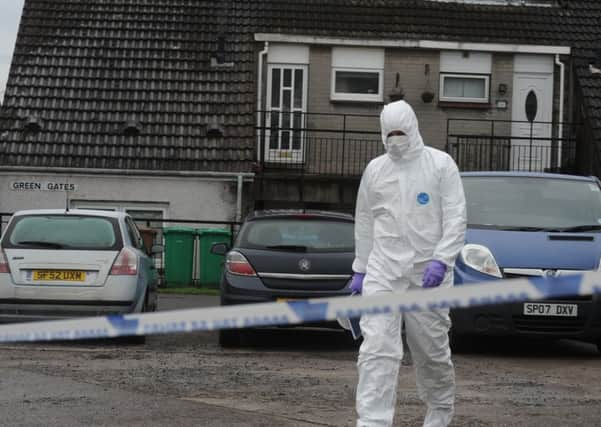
{"x":220,"y":248}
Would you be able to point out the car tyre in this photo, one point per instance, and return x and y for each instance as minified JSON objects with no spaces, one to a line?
{"x":230,"y":338}
{"x":599,"y":346}
{"x":138,"y":339}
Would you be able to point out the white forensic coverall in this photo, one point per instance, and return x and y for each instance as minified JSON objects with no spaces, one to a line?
{"x":410,"y":210}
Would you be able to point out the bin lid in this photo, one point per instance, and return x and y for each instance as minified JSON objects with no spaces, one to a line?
{"x":178,"y":230}
{"x":213,"y":232}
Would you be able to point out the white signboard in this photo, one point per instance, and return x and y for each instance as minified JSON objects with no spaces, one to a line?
{"x":43,"y":186}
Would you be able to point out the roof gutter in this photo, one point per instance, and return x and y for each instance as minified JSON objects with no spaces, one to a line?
{"x":229,"y":176}
{"x":419,"y":44}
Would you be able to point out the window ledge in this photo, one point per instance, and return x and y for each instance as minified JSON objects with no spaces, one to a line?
{"x":472,"y":105}
{"x":356,"y":101}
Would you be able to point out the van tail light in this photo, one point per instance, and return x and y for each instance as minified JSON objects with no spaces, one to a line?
{"x":126,"y":263}
{"x":236,"y":263}
{"x":4,"y":267}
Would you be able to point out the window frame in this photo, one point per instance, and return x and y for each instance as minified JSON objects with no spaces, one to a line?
{"x":355,"y":96}
{"x":357,"y":59}
{"x":485,"y":77}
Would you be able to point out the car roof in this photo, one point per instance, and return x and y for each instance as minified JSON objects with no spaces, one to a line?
{"x":298,"y":213}
{"x":531,"y":175}
{"x":79,"y":212}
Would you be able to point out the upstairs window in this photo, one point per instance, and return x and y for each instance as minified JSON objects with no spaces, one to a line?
{"x":464,"y":87}
{"x":357,"y":74}
{"x":465,"y":76}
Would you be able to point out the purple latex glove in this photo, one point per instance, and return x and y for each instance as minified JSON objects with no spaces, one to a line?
{"x":434,"y":274}
{"x":357,"y":283}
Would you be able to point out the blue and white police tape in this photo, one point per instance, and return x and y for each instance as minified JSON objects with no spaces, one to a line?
{"x":298,"y":312}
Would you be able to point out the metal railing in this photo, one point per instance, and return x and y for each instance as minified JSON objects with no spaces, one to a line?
{"x":318,"y":143}
{"x":479,"y":144}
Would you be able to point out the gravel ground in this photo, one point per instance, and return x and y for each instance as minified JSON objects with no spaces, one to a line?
{"x":288,"y":377}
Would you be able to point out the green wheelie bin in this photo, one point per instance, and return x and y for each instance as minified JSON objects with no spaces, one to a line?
{"x":179,"y":256}
{"x":210,"y":265}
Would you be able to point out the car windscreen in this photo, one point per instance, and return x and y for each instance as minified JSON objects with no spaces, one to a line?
{"x":532,"y":202}
{"x":298,"y":234}
{"x":63,"y":232}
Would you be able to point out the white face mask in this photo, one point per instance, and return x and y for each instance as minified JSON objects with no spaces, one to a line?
{"x":397,"y":146}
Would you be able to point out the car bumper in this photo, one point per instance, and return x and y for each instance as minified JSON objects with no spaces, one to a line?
{"x":251,"y":290}
{"x":18,"y":311}
{"x":20,"y":303}
{"x":510,"y":319}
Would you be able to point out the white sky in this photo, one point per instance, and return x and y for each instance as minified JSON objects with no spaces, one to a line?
{"x":10,"y":14}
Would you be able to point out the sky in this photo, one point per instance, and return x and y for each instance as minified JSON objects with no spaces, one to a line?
{"x":10,"y":14}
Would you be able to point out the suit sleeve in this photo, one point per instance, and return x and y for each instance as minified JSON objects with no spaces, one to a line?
{"x":454,"y":217}
{"x":364,"y":225}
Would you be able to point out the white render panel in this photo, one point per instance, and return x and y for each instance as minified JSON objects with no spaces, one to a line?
{"x":288,"y":54}
{"x":470,"y":62}
{"x":533,"y":63}
{"x":423,"y":44}
{"x":357,"y":57}
{"x":202,"y":198}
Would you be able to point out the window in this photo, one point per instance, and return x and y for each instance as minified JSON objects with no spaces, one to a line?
{"x":465,"y":76}
{"x":134,"y":234}
{"x":531,"y":202}
{"x":145,"y":214}
{"x":464,"y":87}
{"x":357,"y":74}
{"x":307,"y":235}
{"x":64,"y":232}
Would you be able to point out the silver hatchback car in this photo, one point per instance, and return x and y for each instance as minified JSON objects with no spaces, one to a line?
{"x":57,"y":264}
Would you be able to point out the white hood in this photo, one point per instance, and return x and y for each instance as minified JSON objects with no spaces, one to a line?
{"x":400,"y":116}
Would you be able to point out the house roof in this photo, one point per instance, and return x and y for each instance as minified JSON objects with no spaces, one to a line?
{"x":132,"y":84}
{"x":128,"y":84}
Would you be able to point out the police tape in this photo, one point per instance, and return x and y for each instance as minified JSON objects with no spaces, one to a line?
{"x":304,"y":311}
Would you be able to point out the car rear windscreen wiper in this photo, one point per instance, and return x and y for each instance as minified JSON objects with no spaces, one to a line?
{"x":587,"y":227}
{"x":53,"y":245}
{"x":514,"y":227}
{"x":295,"y":248}
{"x":531,"y":228}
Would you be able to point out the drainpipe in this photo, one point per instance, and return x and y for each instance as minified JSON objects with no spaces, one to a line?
{"x":561,"y":107}
{"x":239,"y":199}
{"x":260,"y":100}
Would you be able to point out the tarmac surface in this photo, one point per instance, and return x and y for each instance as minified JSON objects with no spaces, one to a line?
{"x":283,"y":377}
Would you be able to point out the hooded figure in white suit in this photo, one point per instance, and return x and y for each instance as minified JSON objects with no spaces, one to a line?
{"x":410,"y":225}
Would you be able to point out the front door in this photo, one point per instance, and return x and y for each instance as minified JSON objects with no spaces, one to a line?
{"x":532,"y":114}
{"x":286,"y":108}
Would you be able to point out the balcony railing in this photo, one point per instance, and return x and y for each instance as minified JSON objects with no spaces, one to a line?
{"x":504,"y":145}
{"x":318,"y":143}
{"x":341,"y":145}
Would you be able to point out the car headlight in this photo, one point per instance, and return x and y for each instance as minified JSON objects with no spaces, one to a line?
{"x":480,"y":259}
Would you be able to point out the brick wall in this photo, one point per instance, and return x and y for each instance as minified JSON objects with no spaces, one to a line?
{"x":410,"y":65}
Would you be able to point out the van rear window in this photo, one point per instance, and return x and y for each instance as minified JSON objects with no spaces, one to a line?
{"x":63,"y":232}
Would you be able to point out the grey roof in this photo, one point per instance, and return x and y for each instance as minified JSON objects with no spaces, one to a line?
{"x":131,"y":84}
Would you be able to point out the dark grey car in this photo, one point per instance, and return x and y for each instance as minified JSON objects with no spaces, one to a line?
{"x":285,"y":255}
